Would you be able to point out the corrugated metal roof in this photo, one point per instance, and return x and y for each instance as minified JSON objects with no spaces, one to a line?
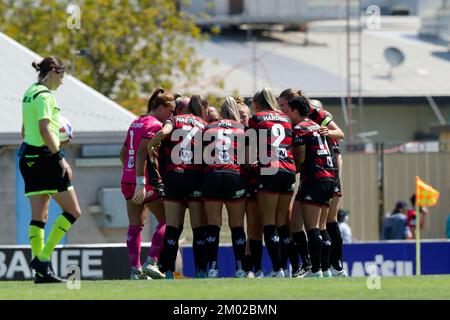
{"x":88,"y":110}
{"x":320,"y":67}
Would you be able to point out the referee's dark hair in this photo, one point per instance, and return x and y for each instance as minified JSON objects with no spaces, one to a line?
{"x":301,"y":104}
{"x":47,"y":65}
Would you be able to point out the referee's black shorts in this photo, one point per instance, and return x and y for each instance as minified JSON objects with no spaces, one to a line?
{"x":41,"y":172}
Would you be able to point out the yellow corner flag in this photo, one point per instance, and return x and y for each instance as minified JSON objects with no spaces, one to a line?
{"x":426,"y":195}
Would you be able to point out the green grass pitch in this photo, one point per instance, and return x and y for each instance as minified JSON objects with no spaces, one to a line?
{"x":424,"y":287}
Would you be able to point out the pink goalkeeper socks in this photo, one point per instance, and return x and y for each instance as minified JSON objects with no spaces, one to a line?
{"x":134,"y":245}
{"x":157,"y":241}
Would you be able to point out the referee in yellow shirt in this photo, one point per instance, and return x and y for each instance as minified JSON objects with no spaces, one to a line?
{"x":45,"y":171}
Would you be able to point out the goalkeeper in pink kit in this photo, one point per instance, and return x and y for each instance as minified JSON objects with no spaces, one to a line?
{"x":141,"y":187}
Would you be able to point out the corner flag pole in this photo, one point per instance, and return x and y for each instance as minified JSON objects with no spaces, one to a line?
{"x":426,"y":195}
{"x":417,"y":240}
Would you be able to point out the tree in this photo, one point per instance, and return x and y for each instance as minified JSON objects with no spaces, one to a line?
{"x":123,"y":48}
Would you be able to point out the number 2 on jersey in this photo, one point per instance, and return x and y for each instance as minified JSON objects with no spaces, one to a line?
{"x":280,"y":134}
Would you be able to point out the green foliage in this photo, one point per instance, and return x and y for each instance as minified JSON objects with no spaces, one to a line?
{"x":130,"y":47}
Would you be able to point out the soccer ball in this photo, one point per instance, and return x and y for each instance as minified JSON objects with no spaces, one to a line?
{"x":65,"y":130}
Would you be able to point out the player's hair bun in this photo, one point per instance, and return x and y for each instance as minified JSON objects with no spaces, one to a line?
{"x":239,"y":100}
{"x":36,"y":66}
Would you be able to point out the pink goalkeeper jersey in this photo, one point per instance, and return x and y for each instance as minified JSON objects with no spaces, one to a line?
{"x":144,"y":127}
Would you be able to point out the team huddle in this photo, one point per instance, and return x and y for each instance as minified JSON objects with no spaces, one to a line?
{"x":184,"y":154}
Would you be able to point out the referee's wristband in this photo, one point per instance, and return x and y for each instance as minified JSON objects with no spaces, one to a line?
{"x":58,"y":155}
{"x":140,"y":180}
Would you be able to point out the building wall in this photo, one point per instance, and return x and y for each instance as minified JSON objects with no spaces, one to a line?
{"x":396,"y":123}
{"x":360,"y":194}
{"x":7,"y":196}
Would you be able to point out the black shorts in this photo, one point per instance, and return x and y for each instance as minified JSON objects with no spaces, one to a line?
{"x":316,"y":193}
{"x":251,"y":189}
{"x":184,"y":186}
{"x":251,"y":183}
{"x":337,"y":188}
{"x":41,"y":172}
{"x":281,"y":182}
{"x":223,"y":186}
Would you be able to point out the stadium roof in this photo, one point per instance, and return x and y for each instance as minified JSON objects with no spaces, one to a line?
{"x":320,"y":67}
{"x":95,"y":118}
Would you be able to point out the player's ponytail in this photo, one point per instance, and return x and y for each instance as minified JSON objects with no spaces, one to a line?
{"x":36,"y":66}
{"x":240,"y":101}
{"x":196,"y":104}
{"x":266,"y":99}
{"x":151,"y":101}
{"x":159,"y":97}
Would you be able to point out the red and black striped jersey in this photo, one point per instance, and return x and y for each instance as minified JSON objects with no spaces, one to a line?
{"x":223,"y":142}
{"x":182,"y":150}
{"x":319,"y":116}
{"x":335,"y":145}
{"x":274,"y":129}
{"x":318,"y":165}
